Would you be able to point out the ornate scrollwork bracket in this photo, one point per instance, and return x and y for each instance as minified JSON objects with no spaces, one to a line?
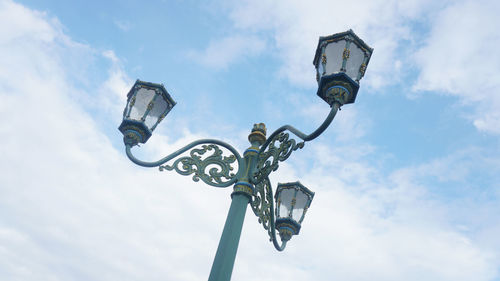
{"x":218,"y":166}
{"x":279,"y":149}
{"x":263,"y":207}
{"x":213,"y":168}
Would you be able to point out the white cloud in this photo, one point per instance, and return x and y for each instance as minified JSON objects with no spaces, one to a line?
{"x":115,"y":87}
{"x":25,"y":25}
{"x":123,"y":25}
{"x":73,"y":208}
{"x":461,"y":58}
{"x":221,"y":53}
{"x":394,"y":225}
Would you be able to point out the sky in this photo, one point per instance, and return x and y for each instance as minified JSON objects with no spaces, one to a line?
{"x":406,"y":179}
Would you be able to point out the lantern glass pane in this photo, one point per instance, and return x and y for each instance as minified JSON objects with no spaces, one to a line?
{"x":320,"y":69}
{"x":159,"y":107}
{"x":127,"y":109}
{"x":333,"y":52}
{"x":355,"y":60}
{"x":286,"y":196}
{"x":301,"y":200}
{"x":142,"y":99}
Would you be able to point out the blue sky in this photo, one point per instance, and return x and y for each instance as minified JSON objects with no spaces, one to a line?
{"x":406,"y":179}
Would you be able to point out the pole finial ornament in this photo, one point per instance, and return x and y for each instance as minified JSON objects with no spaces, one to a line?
{"x":258,"y":134}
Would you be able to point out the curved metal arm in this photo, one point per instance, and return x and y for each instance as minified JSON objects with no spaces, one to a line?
{"x":300,"y":134}
{"x":220,"y":166}
{"x":278,"y":147}
{"x":263,"y":206}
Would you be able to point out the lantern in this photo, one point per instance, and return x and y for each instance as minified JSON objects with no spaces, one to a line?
{"x":292,"y":201}
{"x":147,"y":105}
{"x":341,"y":60}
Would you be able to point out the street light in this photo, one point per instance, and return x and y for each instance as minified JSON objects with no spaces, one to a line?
{"x":147,"y":105}
{"x":341,"y":60}
{"x":292,"y":201}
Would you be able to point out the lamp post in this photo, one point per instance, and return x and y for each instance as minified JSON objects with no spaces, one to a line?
{"x":340,"y":60}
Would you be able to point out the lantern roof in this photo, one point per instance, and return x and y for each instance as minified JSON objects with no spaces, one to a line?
{"x":295,"y":185}
{"x":152,"y":86}
{"x":338,"y":36}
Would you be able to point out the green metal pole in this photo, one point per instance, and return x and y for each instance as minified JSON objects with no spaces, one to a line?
{"x":222,"y":267}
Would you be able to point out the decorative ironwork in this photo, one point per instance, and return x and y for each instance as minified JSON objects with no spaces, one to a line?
{"x":279,"y":149}
{"x":362,"y":69}
{"x":243,"y":187}
{"x":263,"y":207}
{"x":337,"y":94}
{"x":262,"y":204}
{"x":131,"y":137}
{"x":218,"y":166}
{"x":258,"y":134}
{"x":345,"y":54}
{"x":344,"y":89}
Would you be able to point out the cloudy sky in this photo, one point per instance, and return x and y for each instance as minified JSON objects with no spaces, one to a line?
{"x":406,"y":179}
